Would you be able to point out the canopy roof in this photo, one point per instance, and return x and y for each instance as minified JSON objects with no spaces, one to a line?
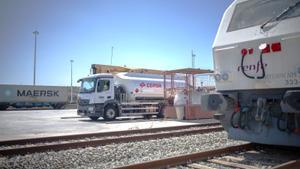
{"x":98,"y":68}
{"x":189,"y":71}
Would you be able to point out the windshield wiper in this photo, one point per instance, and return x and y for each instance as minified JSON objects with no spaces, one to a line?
{"x":283,"y":13}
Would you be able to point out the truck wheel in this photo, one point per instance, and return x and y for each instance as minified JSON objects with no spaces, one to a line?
{"x":161,"y":107}
{"x":110,"y":113}
{"x":147,"y":116}
{"x":3,"y":107}
{"x":160,"y":115}
{"x":94,"y":118}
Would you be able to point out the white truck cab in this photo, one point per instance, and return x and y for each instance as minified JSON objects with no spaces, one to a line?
{"x":97,"y":88}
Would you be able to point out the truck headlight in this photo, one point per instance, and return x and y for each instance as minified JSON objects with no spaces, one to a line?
{"x":91,"y":108}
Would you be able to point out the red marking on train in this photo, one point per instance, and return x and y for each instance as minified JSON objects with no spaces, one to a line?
{"x":267,"y":49}
{"x":276,"y":47}
{"x":244,"y":52}
{"x":250,"y":51}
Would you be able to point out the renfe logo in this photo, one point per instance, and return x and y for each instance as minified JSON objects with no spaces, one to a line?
{"x":38,"y":93}
{"x":253,"y":67}
{"x":150,"y":85}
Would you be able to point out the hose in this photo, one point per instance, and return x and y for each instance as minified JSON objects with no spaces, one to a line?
{"x":243,"y":119}
{"x":279,"y":119}
{"x":267,"y":120}
{"x":290,"y":123}
{"x":290,"y":126}
{"x":231,"y":120}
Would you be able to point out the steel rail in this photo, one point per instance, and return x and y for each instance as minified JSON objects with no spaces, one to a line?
{"x":294,"y":164}
{"x":101,"y":142}
{"x":183,"y":159}
{"x":102,"y":134}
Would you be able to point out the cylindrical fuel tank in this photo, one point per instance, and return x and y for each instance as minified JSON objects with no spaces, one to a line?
{"x":142,"y":86}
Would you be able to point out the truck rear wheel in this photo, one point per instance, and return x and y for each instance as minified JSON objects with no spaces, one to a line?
{"x":161,"y":107}
{"x":94,"y":118}
{"x":160,"y":115}
{"x":110,"y":113}
{"x":147,"y":116}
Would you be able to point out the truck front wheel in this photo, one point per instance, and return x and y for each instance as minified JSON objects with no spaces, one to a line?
{"x":110,"y":113}
{"x":3,"y":107}
{"x":94,"y":118}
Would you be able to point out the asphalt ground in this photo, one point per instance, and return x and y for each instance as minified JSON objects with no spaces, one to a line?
{"x":20,"y":124}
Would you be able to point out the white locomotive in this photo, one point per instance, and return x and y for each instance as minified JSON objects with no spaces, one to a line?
{"x":257,"y":71}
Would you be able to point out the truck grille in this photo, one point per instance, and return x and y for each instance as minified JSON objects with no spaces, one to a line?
{"x":83,"y":102}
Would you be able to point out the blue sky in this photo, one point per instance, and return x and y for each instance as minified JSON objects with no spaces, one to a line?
{"x":156,"y":34}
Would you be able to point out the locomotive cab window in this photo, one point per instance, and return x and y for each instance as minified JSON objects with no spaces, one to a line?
{"x":257,"y":12}
{"x":103,"y":85}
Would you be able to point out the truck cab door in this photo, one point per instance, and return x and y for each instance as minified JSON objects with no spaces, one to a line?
{"x":104,"y":90}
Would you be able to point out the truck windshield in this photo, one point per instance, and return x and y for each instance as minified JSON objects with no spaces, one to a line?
{"x":257,"y":12}
{"x":87,"y":85}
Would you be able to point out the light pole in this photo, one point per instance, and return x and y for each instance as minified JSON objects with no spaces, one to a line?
{"x":193,"y":59}
{"x":34,"y":56}
{"x":71,"y":101}
{"x":112,"y":54}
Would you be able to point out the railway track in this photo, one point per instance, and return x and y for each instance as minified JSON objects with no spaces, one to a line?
{"x":229,"y":157}
{"x":36,"y":145}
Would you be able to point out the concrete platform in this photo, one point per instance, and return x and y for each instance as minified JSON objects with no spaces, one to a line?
{"x":20,"y":124}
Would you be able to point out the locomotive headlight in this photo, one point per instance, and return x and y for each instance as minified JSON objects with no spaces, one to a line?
{"x":225,"y":76}
{"x":218,"y":77}
{"x":262,"y":46}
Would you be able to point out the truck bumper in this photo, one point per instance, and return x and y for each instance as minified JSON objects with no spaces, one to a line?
{"x":89,"y":110}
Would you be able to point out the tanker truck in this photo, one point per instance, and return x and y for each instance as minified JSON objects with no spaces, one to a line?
{"x":111,"y":95}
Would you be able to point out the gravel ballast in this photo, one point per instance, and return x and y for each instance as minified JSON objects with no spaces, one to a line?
{"x":120,"y":154}
{"x":103,"y":137}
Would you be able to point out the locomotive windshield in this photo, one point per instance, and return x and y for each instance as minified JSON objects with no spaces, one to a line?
{"x":88,"y":85}
{"x":258,"y":12}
